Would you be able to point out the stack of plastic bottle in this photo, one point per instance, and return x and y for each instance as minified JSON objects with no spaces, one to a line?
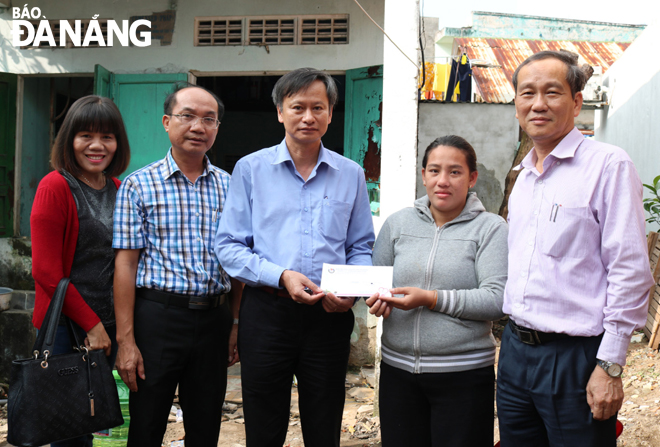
{"x":118,"y":436}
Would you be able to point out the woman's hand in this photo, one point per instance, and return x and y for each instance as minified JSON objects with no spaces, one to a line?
{"x":97,"y":338}
{"x":377,"y":307}
{"x":412,"y":297}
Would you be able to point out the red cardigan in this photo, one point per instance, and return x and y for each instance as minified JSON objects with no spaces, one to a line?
{"x":54,"y":228}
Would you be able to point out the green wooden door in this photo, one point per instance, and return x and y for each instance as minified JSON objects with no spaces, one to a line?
{"x":363,"y":125}
{"x":7,"y":151}
{"x":140,"y":98}
{"x":102,"y":81}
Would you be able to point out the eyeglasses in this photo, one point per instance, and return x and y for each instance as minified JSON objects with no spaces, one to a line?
{"x":207,"y":121}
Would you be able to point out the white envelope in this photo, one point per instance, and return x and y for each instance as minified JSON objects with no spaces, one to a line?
{"x":356,"y":280}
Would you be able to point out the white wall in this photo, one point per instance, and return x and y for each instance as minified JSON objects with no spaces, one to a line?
{"x":492,"y":129}
{"x":399,"y":138}
{"x":632,"y":120}
{"x":399,"y":143}
{"x":365,"y":46}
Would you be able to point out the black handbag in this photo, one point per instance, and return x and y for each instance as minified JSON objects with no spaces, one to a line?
{"x":58,"y":397}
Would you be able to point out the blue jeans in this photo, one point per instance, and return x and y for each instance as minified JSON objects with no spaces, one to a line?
{"x":63,"y":344}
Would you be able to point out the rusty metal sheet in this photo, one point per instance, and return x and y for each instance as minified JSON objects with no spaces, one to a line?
{"x":494,"y":82}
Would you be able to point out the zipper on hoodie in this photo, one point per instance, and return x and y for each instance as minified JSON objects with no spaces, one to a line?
{"x":417,"y":341}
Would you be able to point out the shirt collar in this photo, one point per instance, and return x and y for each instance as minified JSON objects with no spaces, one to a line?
{"x":565,"y":149}
{"x":170,"y":167}
{"x":325,"y":156}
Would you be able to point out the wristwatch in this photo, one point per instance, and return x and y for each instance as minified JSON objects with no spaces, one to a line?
{"x":612,"y":369}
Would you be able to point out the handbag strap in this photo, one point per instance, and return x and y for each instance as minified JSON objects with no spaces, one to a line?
{"x":73,"y":333}
{"x":46,"y":337}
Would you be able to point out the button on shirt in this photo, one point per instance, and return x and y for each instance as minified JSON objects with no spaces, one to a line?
{"x":578,"y":261}
{"x":274,"y":220}
{"x":174,"y":221}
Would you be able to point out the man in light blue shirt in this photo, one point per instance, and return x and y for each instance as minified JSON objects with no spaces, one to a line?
{"x":290,"y":208}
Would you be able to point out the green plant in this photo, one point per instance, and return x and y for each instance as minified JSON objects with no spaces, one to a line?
{"x":652,"y":204}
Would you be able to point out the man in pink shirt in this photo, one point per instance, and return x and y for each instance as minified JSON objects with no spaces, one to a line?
{"x":578,"y":270}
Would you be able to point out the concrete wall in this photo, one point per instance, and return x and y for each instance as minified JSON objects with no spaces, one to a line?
{"x":632,"y":119}
{"x":428,"y":38}
{"x":400,"y":109}
{"x":16,"y":331}
{"x":492,"y":129}
{"x":365,"y":46}
{"x":585,"y":120}
{"x":516,"y":26}
{"x":16,"y":264}
{"x":364,"y":337}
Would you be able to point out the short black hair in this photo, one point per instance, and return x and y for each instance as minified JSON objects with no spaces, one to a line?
{"x":300,"y":80}
{"x":456,"y":142}
{"x":170,"y":101}
{"x":91,"y":114}
{"x":575,"y":76}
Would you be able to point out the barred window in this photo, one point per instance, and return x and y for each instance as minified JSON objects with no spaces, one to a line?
{"x":329,"y":30}
{"x":272,"y":30}
{"x":218,"y":31}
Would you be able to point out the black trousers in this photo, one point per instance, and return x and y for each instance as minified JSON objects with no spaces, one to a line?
{"x":436,"y":409}
{"x":185,"y":347}
{"x":541,"y":394}
{"x":278,"y":338}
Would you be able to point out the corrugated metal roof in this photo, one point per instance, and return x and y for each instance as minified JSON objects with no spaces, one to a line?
{"x":494,"y":82}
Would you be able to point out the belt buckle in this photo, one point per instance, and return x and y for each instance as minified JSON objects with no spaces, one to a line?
{"x":528,"y":337}
{"x":199,"y":304}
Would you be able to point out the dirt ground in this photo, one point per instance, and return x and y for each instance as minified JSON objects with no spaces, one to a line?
{"x":639,"y":414}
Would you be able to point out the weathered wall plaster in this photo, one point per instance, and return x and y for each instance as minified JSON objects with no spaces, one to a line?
{"x":492,"y":129}
{"x":16,"y":264}
{"x":364,"y":47}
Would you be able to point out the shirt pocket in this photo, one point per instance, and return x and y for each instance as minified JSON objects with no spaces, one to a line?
{"x":335,"y":216}
{"x":211,"y":216}
{"x":568,"y":231}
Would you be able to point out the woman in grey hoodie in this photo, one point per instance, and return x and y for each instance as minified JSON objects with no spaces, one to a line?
{"x":450,"y":266}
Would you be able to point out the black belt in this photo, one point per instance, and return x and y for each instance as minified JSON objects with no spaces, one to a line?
{"x":532,"y":337}
{"x":282,"y":293}
{"x":178,"y":300}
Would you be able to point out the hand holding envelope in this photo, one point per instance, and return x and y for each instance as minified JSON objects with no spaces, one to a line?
{"x":356,"y":280}
{"x":376,"y":284}
{"x":359,"y":281}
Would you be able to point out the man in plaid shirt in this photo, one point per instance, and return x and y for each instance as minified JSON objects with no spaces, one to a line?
{"x":173,"y":323}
